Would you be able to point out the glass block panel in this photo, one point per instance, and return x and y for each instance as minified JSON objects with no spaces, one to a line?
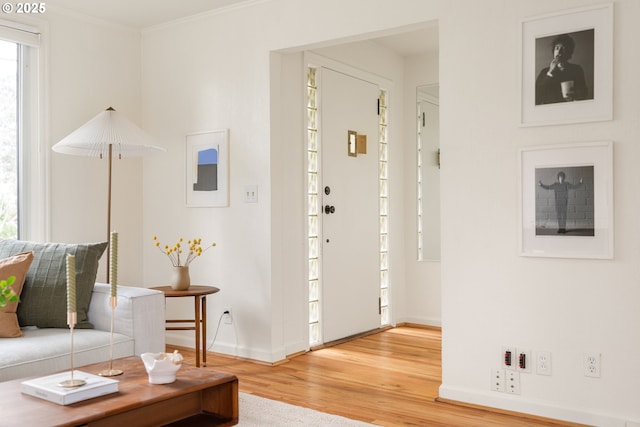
{"x":384,"y":243}
{"x":311,"y":97}
{"x":384,"y":297}
{"x":312,"y":116}
{"x":384,"y":224}
{"x":383,"y":98}
{"x":311,"y":77}
{"x":313,"y":204}
{"x":383,"y":116}
{"x":313,"y":228}
{"x":312,"y":163}
{"x":312,"y":183}
{"x":313,"y":269}
{"x":314,"y":333}
{"x":384,"y":188}
{"x":313,"y":311}
{"x":383,"y":133}
{"x":383,"y":170}
{"x":384,"y":318}
{"x":384,"y":279}
{"x":383,"y":153}
{"x":313,"y":247}
{"x":314,"y":291}
{"x":384,"y":261}
{"x":312,"y":135}
{"x":384,"y":206}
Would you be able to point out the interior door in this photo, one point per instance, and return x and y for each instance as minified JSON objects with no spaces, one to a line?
{"x":350,"y":225}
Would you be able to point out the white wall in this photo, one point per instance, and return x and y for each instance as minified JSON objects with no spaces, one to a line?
{"x":492,"y":297}
{"x":89,"y":65}
{"x":214,"y":72}
{"x":207,"y":74}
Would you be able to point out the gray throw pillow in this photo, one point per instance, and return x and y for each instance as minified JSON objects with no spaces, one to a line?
{"x":43,"y":301}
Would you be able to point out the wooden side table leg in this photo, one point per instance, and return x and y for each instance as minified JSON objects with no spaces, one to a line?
{"x":197,"y":328}
{"x":204,"y":330}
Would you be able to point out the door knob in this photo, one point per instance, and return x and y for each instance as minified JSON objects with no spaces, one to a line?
{"x":329,"y":209}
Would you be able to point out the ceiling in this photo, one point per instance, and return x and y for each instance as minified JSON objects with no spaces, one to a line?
{"x":141,"y":14}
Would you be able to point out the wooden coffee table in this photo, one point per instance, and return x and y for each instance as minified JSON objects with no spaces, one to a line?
{"x":197,"y":397}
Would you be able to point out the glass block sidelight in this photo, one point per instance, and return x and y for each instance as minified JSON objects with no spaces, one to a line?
{"x":313,"y":208}
{"x":383,"y":177}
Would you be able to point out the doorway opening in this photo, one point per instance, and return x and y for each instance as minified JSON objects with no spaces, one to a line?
{"x":315,"y":212}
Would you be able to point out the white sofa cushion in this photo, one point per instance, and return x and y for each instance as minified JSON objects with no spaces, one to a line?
{"x":43,"y":351}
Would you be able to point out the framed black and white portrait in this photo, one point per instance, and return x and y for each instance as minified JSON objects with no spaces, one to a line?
{"x":567,"y":67}
{"x":567,"y":200}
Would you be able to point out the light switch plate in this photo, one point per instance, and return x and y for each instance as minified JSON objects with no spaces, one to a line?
{"x":251,"y":194}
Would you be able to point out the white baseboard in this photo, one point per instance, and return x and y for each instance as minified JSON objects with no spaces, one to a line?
{"x":519,"y":404}
{"x":425,"y":321}
{"x":231,"y":349}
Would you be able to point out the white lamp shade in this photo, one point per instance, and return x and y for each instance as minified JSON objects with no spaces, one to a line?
{"x":107,"y":128}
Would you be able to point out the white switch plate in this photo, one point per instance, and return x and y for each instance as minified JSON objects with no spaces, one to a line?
{"x":251,"y":194}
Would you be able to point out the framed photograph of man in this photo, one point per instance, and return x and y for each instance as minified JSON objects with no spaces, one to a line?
{"x":567,"y":201}
{"x":567,"y":67}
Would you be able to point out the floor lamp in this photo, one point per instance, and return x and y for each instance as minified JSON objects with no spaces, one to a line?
{"x":109,"y":135}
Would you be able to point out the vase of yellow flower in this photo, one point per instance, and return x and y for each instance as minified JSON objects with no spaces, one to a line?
{"x":180,"y":279}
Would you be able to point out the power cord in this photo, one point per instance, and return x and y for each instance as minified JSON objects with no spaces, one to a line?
{"x":217,"y":329}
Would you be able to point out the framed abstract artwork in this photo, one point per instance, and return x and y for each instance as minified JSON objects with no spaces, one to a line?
{"x":207,"y":169}
{"x":567,"y":67}
{"x":567,"y":201}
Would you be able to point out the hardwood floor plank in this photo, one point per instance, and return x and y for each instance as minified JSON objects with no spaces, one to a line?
{"x":390,"y":378}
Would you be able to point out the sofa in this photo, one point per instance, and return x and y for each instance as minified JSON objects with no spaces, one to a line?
{"x":138,"y":328}
{"x":34,"y":337}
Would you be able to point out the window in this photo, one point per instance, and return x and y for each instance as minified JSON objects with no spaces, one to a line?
{"x":8,"y":139}
{"x":22,"y":166}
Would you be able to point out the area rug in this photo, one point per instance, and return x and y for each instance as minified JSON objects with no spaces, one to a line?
{"x":257,"y":411}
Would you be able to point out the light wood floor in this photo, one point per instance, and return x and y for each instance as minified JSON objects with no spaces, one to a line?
{"x":389,"y":378}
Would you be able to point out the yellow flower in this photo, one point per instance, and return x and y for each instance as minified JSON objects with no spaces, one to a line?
{"x":194,"y":250}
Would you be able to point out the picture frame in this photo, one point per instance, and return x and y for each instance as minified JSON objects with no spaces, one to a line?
{"x":566,"y":199}
{"x":587,"y":75}
{"x":207,"y":169}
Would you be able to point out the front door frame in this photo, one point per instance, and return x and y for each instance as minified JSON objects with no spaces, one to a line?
{"x":312,"y":59}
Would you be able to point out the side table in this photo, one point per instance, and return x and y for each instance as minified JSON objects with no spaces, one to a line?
{"x":199,"y":294}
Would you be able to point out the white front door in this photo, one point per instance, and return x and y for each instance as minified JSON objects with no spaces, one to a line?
{"x":350,"y":226}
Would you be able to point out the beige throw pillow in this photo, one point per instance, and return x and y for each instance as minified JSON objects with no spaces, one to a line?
{"x":16,"y":265}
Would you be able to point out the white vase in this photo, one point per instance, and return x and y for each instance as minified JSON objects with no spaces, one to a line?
{"x":180,"y":280}
{"x":162,"y":367}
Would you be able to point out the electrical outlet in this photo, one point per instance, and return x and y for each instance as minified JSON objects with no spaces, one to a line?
{"x":497,"y":379}
{"x":512,"y":384}
{"x":543,"y":363}
{"x":524,"y":360}
{"x":226,"y":316}
{"x":509,"y":357}
{"x":592,"y":365}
